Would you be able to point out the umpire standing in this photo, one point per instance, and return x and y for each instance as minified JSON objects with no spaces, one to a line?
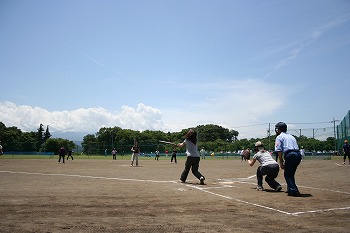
{"x":287,"y":145}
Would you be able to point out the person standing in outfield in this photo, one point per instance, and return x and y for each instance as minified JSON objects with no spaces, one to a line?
{"x":193,"y":157}
{"x":114,"y":154}
{"x":173,"y":156}
{"x":61,"y":154}
{"x":157,"y":155}
{"x":287,"y":145}
{"x":268,"y":166}
{"x":302,"y":152}
{"x":242,"y":155}
{"x":135,"y":154}
{"x":1,"y":151}
{"x":202,"y":152}
{"x":70,"y":153}
{"x":346,"y":150}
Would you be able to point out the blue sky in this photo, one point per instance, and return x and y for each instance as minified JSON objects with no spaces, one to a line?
{"x":166,"y":65}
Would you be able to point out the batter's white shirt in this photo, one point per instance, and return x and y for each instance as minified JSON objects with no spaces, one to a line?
{"x":191,"y":149}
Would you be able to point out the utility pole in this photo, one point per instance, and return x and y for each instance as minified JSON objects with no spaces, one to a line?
{"x":335,"y":136}
{"x":269,"y":134}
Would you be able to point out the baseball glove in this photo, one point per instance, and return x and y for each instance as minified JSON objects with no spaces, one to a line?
{"x":246,"y":154}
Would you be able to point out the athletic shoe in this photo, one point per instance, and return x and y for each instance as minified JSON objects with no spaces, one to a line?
{"x":279,"y":188}
{"x":296,"y":194}
{"x":259,"y":188}
{"x":201,"y":180}
{"x":183,"y":181}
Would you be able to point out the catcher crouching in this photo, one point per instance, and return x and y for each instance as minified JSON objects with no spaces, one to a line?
{"x":268,"y":167}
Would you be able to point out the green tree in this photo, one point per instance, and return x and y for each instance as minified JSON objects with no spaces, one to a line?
{"x":47,"y":134}
{"x":40,"y":137}
{"x":11,"y":138}
{"x":54,"y":144}
{"x":27,"y":142}
{"x":89,"y":144}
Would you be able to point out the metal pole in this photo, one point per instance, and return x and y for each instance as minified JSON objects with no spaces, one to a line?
{"x":269,"y":135}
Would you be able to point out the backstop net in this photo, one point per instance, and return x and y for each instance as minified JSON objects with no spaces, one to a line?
{"x":343,"y":131}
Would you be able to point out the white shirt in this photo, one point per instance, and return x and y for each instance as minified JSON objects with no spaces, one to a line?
{"x":191,"y":149}
{"x":264,"y":157}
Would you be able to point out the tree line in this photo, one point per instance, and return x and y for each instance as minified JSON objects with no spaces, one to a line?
{"x":14,"y":140}
{"x":210,"y":137}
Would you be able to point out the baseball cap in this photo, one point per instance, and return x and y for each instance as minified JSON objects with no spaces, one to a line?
{"x":259,"y":144}
{"x":281,"y":126}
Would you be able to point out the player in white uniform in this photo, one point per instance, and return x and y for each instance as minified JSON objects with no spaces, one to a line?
{"x":287,"y":146}
{"x":268,"y":166}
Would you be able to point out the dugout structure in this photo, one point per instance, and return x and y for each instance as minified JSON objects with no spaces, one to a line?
{"x":343,"y":131}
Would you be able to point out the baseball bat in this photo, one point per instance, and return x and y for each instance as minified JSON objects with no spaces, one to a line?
{"x":166,"y":142}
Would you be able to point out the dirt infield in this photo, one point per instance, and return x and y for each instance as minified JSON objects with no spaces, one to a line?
{"x":85,"y":195}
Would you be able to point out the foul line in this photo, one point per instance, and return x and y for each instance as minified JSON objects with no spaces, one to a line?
{"x":92,"y":177}
{"x":238,"y":200}
{"x":318,"y":211}
{"x":269,"y":208}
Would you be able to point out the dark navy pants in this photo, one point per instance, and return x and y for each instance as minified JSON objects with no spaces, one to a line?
{"x":291,"y":163}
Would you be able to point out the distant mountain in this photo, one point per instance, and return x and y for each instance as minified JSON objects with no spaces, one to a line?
{"x":76,"y":137}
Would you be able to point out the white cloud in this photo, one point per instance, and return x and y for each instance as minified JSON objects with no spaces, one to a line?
{"x":314,"y":36}
{"x":228,"y":103}
{"x":91,"y":120}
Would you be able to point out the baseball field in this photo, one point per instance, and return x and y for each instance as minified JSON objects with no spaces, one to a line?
{"x":105,"y":195}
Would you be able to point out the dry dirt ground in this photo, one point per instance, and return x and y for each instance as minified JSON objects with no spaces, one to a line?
{"x":102,"y":195}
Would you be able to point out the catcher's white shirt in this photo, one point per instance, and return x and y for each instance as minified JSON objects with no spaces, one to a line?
{"x":264,"y":158}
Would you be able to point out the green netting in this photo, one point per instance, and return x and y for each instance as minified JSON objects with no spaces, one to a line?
{"x":343,"y":131}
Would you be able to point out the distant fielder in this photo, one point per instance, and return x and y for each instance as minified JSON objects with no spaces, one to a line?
{"x":135,"y":154}
{"x":346,"y":150}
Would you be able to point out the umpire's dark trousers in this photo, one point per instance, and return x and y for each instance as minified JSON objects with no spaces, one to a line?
{"x":292,"y":160}
{"x":191,"y":162}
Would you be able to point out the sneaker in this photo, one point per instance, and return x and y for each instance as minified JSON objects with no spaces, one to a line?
{"x":259,"y":188}
{"x":296,"y":194}
{"x":279,"y":188}
{"x":201,"y":180}
{"x":183,"y":181}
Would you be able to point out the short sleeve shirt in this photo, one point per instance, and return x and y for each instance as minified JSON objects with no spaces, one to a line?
{"x":191,"y":149}
{"x":285,"y":142}
{"x":264,"y":158}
